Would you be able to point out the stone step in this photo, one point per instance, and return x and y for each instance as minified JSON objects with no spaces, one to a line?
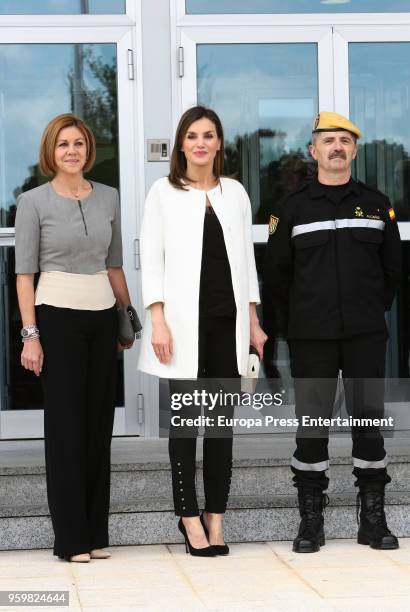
{"x":248,"y":519}
{"x":134,"y":482}
{"x":262,"y":504}
{"x":164,"y":504}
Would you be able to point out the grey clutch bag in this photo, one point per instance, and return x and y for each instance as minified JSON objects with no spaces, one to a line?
{"x":129,"y":326}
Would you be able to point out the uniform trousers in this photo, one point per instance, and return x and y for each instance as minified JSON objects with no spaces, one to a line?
{"x":79,"y":374}
{"x":217,"y":371}
{"x":315,"y":366}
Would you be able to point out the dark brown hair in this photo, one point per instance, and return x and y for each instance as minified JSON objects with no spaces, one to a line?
{"x":177,"y":175}
{"x":49,"y":140}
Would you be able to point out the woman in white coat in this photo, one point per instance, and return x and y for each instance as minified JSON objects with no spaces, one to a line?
{"x":200,"y":291}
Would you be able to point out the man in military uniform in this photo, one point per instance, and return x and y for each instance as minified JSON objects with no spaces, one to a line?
{"x":332,"y":269}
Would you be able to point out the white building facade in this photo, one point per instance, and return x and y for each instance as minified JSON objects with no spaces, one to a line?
{"x":131,"y":67}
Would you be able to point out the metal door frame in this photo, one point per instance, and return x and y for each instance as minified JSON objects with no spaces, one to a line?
{"x":125,"y":32}
{"x":190,"y":37}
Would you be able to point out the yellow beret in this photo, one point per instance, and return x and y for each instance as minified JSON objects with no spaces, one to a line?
{"x":332,"y":122}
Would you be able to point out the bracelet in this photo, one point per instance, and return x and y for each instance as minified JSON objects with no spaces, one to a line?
{"x":34,"y":336}
{"x":29,"y":330}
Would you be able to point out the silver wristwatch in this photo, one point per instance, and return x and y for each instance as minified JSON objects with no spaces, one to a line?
{"x":30,"y":332}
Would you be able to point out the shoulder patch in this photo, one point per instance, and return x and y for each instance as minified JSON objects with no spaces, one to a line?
{"x":392,"y":214}
{"x":273,"y":224}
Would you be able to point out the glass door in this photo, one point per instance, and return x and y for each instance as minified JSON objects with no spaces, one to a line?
{"x":373,"y":77}
{"x":45,"y":72}
{"x":266,"y":84}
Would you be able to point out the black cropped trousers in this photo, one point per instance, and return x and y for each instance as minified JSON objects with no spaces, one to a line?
{"x":78,"y":378}
{"x":218,"y":375}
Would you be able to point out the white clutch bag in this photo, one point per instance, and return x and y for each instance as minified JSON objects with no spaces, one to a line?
{"x":249,"y":382}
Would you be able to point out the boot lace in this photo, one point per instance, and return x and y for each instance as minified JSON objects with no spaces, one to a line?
{"x":311,"y":505}
{"x":373,"y":506}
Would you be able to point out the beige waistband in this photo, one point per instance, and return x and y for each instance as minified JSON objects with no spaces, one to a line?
{"x":77,"y":291}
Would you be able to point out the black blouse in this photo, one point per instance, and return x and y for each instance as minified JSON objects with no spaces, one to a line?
{"x":216,"y":297}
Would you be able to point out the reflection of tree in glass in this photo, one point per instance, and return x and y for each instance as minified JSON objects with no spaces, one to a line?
{"x":33,"y":180}
{"x":386,"y":166}
{"x":278,"y":171}
{"x":8,"y":216}
{"x":99,"y":104}
{"x":232,"y":158}
{"x":100,"y":111}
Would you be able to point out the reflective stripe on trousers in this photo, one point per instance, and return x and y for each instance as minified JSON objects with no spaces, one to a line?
{"x":321,"y":466}
{"x":366,"y":465}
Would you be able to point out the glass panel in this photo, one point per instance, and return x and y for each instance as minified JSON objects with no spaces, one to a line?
{"x":380,"y":105}
{"x":275,"y":366}
{"x":78,"y":78}
{"x":402,"y":327}
{"x":62,"y":7}
{"x":202,"y":7}
{"x":266,"y":96}
{"x":19,"y":388}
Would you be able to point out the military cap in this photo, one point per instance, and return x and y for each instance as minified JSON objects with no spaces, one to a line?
{"x":332,"y":122}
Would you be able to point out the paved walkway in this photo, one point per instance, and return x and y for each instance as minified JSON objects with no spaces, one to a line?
{"x":344,"y":576}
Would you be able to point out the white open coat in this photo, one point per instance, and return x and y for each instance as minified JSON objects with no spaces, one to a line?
{"x":171,"y":256}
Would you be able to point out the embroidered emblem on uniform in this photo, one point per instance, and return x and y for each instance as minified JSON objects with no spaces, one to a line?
{"x":273,"y":224}
{"x":377,"y":217}
{"x":358,"y":212}
{"x":392,"y":214}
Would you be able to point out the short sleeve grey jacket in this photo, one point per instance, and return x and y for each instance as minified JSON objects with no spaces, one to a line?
{"x":55,"y":233}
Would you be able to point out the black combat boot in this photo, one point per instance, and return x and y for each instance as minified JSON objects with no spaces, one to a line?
{"x":311,"y":536}
{"x":373,"y":528}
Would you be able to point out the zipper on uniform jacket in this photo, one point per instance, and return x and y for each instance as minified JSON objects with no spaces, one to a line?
{"x":82,"y":214}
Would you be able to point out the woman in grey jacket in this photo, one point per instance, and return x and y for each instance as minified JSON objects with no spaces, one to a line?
{"x":69,"y":229}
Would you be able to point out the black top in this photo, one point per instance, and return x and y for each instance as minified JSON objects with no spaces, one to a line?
{"x":332,"y":264}
{"x":216,"y":297}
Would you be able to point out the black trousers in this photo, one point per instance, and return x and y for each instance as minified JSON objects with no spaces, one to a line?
{"x":315,"y":366}
{"x":217,"y":371}
{"x":80,"y":353}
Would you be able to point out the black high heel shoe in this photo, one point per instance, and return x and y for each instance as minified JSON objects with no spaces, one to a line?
{"x":208,"y":551}
{"x":220,"y":549}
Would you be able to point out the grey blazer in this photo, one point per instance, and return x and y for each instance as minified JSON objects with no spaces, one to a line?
{"x":55,"y":233}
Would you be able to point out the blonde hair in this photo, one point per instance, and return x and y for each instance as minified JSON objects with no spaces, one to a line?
{"x":49,"y":140}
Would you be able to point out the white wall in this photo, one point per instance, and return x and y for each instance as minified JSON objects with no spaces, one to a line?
{"x":156,"y":57}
